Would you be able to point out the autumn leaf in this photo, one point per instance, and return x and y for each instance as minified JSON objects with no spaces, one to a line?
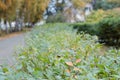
{"x":78,"y":60}
{"x":76,"y":69}
{"x":69,"y":63}
{"x":68,"y":71}
{"x":75,"y":77}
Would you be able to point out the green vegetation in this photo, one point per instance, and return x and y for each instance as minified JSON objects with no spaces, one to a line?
{"x":96,"y":16}
{"x":57,"y":52}
{"x":103,"y":24}
{"x":87,"y":27}
{"x":17,"y":14}
{"x":56,"y":18}
{"x":109,"y":30}
{"x":106,"y":4}
{"x":63,"y":51}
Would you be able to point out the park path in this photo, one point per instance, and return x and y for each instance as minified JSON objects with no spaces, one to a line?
{"x":7,"y":48}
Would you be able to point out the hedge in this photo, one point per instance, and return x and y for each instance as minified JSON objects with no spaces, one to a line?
{"x":56,"y":52}
{"x":90,"y":28}
{"x":107,"y":29}
{"x":110,"y":31}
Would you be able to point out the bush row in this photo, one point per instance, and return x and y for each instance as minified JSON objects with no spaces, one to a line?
{"x":107,"y":29}
{"x":110,"y":31}
{"x":59,"y":17}
{"x":56,"y":52}
{"x":87,"y":27}
{"x":106,"y":4}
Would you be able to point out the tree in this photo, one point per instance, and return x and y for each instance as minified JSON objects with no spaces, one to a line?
{"x":78,"y":3}
{"x":8,"y":11}
{"x":33,"y":10}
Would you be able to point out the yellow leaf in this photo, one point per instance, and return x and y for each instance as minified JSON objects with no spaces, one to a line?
{"x":75,"y":77}
{"x":69,"y":63}
{"x":68,"y":71}
{"x":76,"y":69}
{"x":78,"y":60}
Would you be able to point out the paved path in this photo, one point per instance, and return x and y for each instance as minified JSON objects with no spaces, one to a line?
{"x":7,"y":48}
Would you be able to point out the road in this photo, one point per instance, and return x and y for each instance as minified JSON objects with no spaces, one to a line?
{"x":7,"y":48}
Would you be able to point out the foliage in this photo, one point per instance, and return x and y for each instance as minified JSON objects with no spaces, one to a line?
{"x":33,"y":10}
{"x":115,"y":3}
{"x":110,"y":30}
{"x":101,"y":4}
{"x":8,"y":7}
{"x":87,"y":27}
{"x":56,"y":52}
{"x":8,"y":11}
{"x":78,"y":3}
{"x":59,"y":17}
{"x":103,"y":24}
{"x":60,"y":6}
{"x":96,"y":16}
{"x":106,"y":4}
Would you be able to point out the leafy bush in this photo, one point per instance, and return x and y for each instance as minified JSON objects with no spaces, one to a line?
{"x":56,"y":52}
{"x":114,"y":3}
{"x":87,"y":27}
{"x":96,"y":16}
{"x":99,"y":14}
{"x":56,"y":18}
{"x":101,"y":4}
{"x":106,"y":4}
{"x":110,"y":30}
{"x":113,"y":13}
{"x":105,"y":27}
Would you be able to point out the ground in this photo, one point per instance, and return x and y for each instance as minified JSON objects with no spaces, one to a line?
{"x":7,"y":47}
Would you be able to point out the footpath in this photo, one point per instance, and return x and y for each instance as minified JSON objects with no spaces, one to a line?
{"x":8,"y":44}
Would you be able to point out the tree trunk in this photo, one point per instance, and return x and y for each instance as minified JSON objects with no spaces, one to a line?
{"x":0,"y":24}
{"x":10,"y":26}
{"x":16,"y":25}
{"x":6,"y":27}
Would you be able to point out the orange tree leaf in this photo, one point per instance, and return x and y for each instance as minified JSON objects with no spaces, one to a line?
{"x":68,"y":71}
{"x":76,"y":69}
{"x":78,"y":60}
{"x":69,"y":63}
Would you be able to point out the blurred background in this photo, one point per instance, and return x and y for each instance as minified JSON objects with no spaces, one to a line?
{"x":17,"y":14}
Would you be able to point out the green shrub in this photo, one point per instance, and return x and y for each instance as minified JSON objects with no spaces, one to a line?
{"x":106,"y":27}
{"x":56,"y":52}
{"x":87,"y":27}
{"x":110,"y":30}
{"x":101,"y":4}
{"x":106,"y":4}
{"x":56,"y":18}
{"x":114,"y":3}
{"x":96,"y":16}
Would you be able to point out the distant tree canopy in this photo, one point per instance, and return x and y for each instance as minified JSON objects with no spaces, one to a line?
{"x":114,"y":1}
{"x":78,"y":3}
{"x":8,"y":9}
{"x":106,"y":4}
{"x":33,"y":9}
{"x":21,"y":11}
{"x":4,"y":4}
